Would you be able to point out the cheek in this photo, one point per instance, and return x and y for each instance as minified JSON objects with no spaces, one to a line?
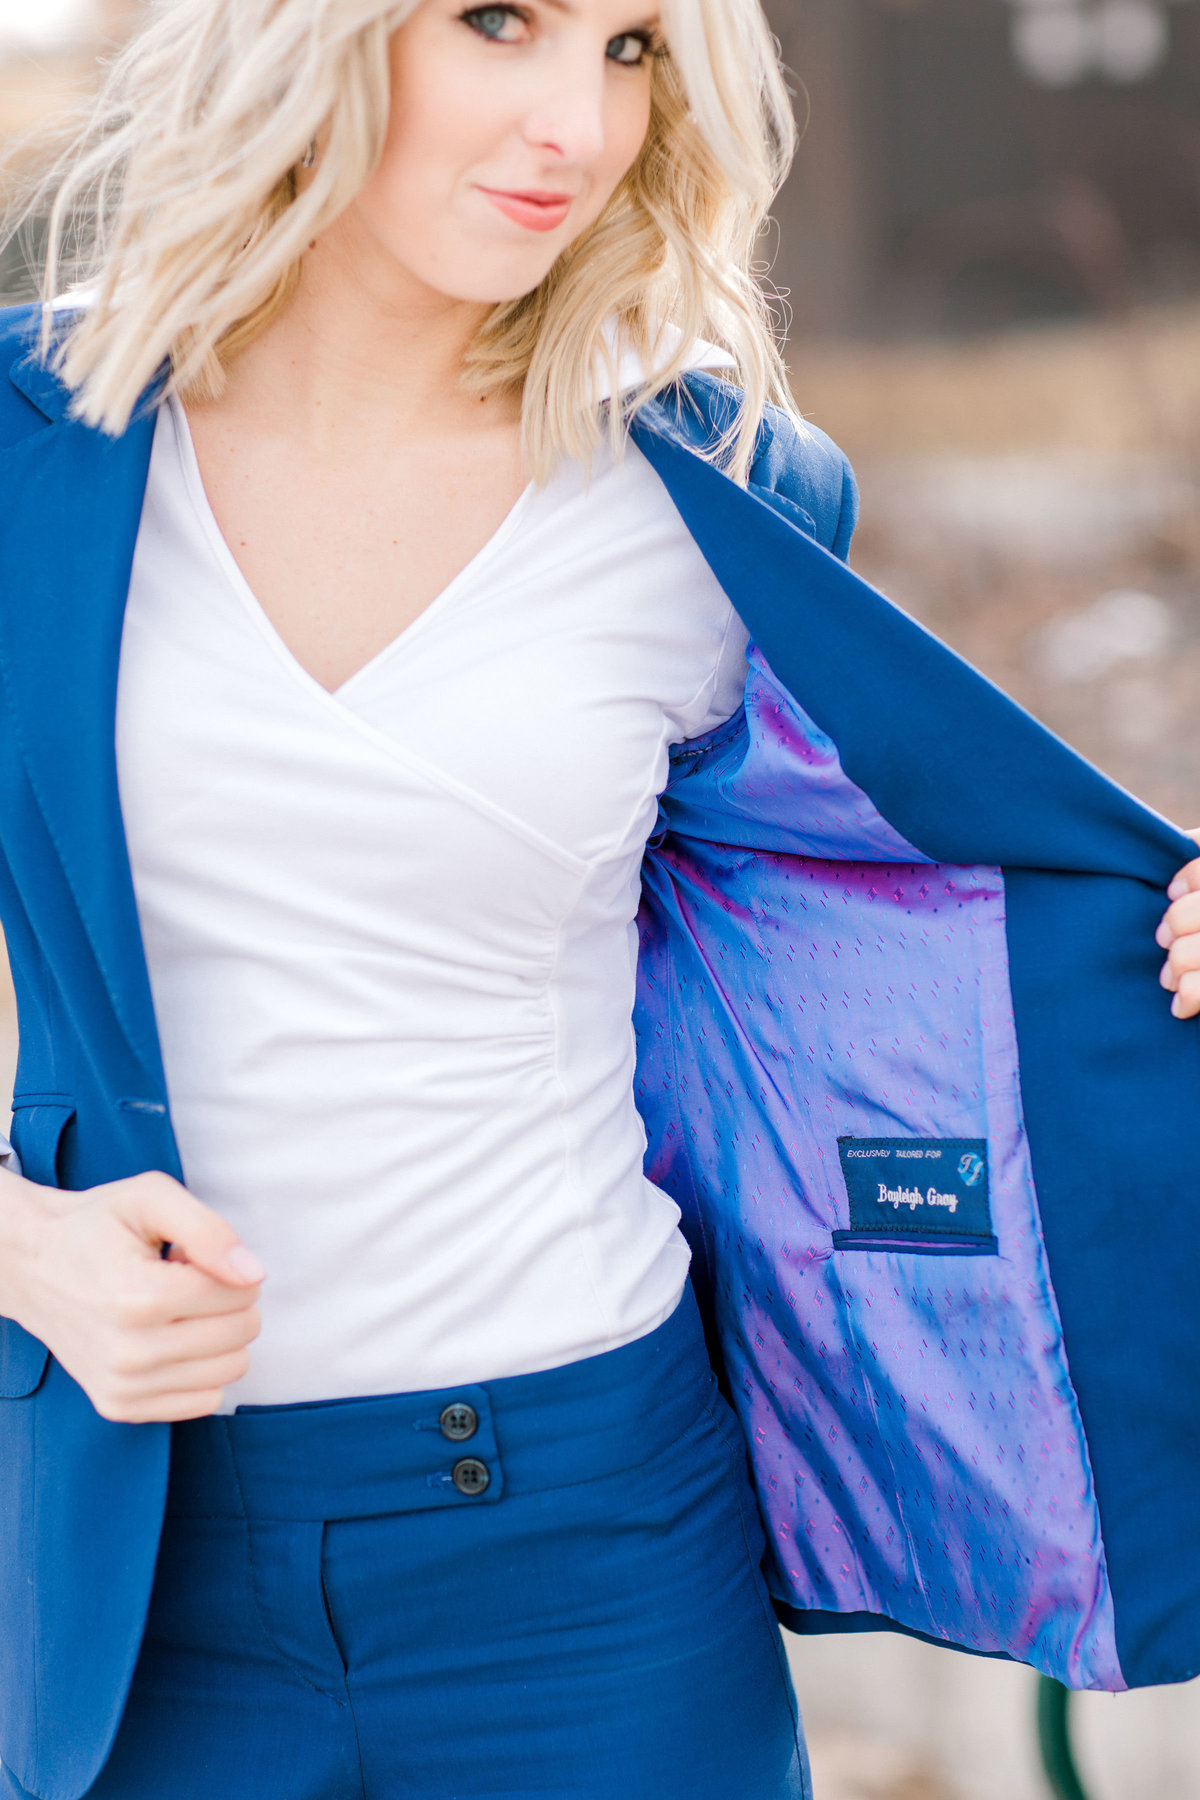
{"x":626,"y":125}
{"x":442,"y":126}
{"x":438,"y":124}
{"x":420,"y":206}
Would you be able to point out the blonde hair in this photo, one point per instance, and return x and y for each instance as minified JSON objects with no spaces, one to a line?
{"x":177,"y":206}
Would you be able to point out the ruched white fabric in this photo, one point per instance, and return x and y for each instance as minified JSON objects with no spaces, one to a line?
{"x":390,"y":931}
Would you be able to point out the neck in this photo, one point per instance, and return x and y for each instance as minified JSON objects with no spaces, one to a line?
{"x":363,"y":351}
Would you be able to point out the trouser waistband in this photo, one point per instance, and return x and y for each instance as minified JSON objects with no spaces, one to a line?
{"x":466,"y":1445}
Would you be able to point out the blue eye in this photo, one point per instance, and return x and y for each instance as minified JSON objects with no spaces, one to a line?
{"x":630,"y":49}
{"x":491,"y":21}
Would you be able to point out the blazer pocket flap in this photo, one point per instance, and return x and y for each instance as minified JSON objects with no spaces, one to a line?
{"x":23,"y":1360}
{"x":37,"y":1128}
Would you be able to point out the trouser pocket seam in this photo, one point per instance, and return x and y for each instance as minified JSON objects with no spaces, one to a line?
{"x":327,"y":1605}
{"x":260,"y":1606}
{"x":261,"y":1611}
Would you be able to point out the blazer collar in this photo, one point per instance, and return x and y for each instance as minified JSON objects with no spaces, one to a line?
{"x":67,"y":536}
{"x":32,"y":378}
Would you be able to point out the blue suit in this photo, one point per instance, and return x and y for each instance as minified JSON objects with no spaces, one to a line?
{"x":903,"y":1061}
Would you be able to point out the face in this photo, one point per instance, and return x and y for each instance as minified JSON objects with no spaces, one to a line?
{"x":511,"y":128}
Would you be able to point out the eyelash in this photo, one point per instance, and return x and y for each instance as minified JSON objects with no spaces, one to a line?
{"x":650,"y":46}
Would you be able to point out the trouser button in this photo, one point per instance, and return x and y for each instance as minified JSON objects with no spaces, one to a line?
{"x":470,"y":1476}
{"x":459,"y":1421}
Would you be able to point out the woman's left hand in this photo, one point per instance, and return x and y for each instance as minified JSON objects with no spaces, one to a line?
{"x":1179,"y":936}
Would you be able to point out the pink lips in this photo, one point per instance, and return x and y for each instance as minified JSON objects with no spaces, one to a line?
{"x":536,"y":211}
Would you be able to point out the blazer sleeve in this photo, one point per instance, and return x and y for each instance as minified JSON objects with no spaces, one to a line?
{"x":803,"y":468}
{"x":797,"y":469}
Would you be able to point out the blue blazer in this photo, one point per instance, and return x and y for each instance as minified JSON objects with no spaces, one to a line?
{"x":903,"y":1061}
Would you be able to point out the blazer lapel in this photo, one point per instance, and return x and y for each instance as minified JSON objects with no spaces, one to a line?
{"x":73,"y":501}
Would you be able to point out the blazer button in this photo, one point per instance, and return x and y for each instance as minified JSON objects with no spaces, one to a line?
{"x":459,"y":1422}
{"x":470,"y":1476}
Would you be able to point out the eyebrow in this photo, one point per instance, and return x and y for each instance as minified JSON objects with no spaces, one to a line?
{"x":649,"y":24}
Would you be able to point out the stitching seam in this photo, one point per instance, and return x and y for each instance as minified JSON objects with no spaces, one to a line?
{"x":256,"y":1589}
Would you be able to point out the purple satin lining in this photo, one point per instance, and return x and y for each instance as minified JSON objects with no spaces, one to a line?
{"x":806,"y":974}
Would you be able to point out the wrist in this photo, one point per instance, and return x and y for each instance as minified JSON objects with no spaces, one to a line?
{"x":27,"y":1212}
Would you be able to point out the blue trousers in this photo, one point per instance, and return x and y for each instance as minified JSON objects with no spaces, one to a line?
{"x":545,"y":1586}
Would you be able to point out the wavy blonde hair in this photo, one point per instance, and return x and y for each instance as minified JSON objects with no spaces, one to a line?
{"x":177,"y":206}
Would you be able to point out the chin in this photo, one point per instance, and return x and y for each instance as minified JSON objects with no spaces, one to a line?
{"x":481,"y":286}
{"x":481,"y":267}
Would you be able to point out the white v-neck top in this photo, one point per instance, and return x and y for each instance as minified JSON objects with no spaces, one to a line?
{"x":390,"y":931}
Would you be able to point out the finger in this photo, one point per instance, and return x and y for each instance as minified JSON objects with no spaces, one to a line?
{"x":165,"y":1409}
{"x":1182,"y":917}
{"x":195,"y":1340}
{"x":153,"y":1296}
{"x":1186,"y":1003}
{"x":184,"y":1377}
{"x":1186,"y":881}
{"x":1184,"y":955}
{"x":179,"y":1292}
{"x":162,"y":1211}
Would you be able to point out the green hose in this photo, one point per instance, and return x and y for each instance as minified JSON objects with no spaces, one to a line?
{"x":1054,"y":1740}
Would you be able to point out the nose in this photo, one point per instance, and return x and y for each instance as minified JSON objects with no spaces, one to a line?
{"x":569,"y":117}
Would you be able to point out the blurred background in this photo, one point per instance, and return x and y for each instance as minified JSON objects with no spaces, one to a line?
{"x":988,"y":258}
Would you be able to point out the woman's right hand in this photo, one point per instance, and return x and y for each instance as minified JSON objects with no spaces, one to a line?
{"x":146,"y":1337}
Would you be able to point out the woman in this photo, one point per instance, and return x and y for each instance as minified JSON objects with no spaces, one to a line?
{"x":419,"y":593}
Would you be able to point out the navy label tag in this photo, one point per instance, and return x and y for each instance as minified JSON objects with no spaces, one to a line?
{"x":928,"y":1194}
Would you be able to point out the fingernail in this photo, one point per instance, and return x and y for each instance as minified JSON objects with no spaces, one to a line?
{"x":1177,"y":1007}
{"x":1164,"y":937}
{"x":1177,"y":889}
{"x":245,"y":1264}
